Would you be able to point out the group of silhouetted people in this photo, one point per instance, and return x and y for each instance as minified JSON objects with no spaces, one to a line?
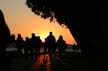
{"x":33,"y":45}
{"x":51,"y":45}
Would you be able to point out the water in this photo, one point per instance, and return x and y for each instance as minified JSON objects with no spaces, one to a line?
{"x":68,"y":49}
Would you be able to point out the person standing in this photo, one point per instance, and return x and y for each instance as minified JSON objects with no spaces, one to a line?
{"x":51,"y":41}
{"x":39,"y":44}
{"x":61,"y":46}
{"x":26,"y":46}
{"x":19,"y":43}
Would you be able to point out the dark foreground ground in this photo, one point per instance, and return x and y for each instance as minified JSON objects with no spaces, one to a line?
{"x":69,"y":62}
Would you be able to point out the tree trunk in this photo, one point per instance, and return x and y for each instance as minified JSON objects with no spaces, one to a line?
{"x":86,"y":32}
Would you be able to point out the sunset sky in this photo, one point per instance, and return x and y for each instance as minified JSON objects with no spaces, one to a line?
{"x":20,"y":19}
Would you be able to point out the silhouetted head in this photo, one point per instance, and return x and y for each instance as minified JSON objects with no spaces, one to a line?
{"x":50,"y":33}
{"x":19,"y":35}
{"x":61,"y":37}
{"x":38,"y":37}
{"x":13,"y":37}
{"x":27,"y":38}
{"x":33,"y":34}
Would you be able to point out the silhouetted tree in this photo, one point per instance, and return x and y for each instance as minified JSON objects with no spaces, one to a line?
{"x":78,"y":16}
{"x":4,"y":42}
{"x":4,"y":34}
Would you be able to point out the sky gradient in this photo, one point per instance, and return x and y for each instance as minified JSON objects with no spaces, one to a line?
{"x":20,"y":19}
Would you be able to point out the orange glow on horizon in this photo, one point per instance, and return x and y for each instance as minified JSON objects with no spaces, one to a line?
{"x":43,"y":36}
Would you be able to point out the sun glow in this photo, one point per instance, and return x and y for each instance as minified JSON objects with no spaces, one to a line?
{"x":43,"y":36}
{"x":42,"y":33}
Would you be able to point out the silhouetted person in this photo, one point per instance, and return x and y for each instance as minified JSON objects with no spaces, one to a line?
{"x":39,"y":44}
{"x":45,"y":45}
{"x":74,"y":47}
{"x":61,"y":45}
{"x":12,"y":47}
{"x":33,"y":44}
{"x":19,"y":43}
{"x":12,"y":41}
{"x":51,"y":41}
{"x":4,"y":42}
{"x":12,"y":38}
{"x":26,"y":46}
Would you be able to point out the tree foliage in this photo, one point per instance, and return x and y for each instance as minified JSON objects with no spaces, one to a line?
{"x":61,"y":10}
